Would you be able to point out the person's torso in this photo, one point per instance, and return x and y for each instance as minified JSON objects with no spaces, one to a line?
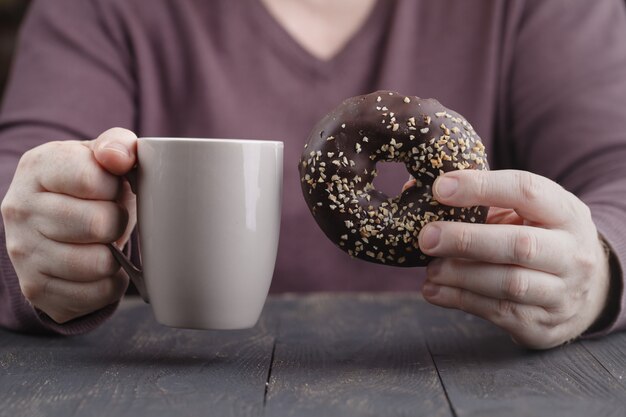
{"x":227,"y":69}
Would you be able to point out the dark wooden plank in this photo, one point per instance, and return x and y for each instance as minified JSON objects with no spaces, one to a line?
{"x":350,"y":355}
{"x":335,"y":355}
{"x":132,"y":366}
{"x":611,"y":353}
{"x":485,"y":374}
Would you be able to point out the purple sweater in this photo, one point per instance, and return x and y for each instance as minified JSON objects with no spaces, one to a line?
{"x":543,"y":82}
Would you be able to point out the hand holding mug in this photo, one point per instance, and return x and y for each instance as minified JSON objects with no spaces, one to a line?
{"x":209,"y":224}
{"x":68,"y":200}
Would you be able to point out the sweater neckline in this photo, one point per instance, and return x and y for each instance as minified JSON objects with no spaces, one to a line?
{"x":290,"y":49}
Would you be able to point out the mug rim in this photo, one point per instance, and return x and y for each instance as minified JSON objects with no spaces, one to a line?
{"x":210,"y":140}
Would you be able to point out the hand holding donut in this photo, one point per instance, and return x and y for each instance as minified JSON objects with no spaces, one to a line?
{"x":537,"y":269}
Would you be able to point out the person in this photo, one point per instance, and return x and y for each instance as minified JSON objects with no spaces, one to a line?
{"x":543,"y":82}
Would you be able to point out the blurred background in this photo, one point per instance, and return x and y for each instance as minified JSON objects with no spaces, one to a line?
{"x":11,"y":14}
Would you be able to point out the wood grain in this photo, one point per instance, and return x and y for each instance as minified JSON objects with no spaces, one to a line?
{"x":132,"y":366}
{"x":326,"y":355}
{"x":611,"y":352}
{"x":352,"y":355}
{"x":485,"y":374}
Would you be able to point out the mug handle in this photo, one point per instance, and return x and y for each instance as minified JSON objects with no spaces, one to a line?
{"x":135,"y":274}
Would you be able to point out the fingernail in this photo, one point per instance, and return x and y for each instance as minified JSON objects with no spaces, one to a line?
{"x":429,"y":237}
{"x":117,"y":147}
{"x":446,"y":187}
{"x":430,"y":290}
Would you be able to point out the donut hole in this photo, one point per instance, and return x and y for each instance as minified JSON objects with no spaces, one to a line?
{"x":391,"y":177}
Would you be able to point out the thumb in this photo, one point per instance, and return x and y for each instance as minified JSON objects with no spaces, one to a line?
{"x":115,"y":150}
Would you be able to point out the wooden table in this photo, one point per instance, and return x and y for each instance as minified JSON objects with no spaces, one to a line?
{"x":316,"y":355}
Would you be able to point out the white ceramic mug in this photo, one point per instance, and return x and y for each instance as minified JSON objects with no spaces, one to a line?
{"x":209,"y":220}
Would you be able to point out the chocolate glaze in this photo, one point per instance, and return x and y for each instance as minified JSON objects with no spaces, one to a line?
{"x":338,"y":167}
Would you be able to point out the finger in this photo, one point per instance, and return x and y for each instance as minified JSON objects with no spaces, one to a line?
{"x":64,"y":300}
{"x":411,"y":182}
{"x":526,"y":246}
{"x":509,"y":282}
{"x":63,"y":218}
{"x":70,"y":168}
{"x":517,"y":319}
{"x":128,"y":201}
{"x":76,"y":262}
{"x":116,"y":150}
{"x":533,"y":197}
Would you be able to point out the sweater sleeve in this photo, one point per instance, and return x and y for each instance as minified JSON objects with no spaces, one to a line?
{"x":567,"y":117}
{"x":71,"y":79}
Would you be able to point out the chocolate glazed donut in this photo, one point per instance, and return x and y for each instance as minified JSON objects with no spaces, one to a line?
{"x":338,"y":166}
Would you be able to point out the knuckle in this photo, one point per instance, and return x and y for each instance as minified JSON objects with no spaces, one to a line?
{"x":464,"y":242}
{"x":463,"y":302}
{"x":585,"y":260}
{"x":505,"y":308}
{"x":482,"y":185}
{"x":525,"y":247}
{"x":32,"y":290}
{"x":562,"y":312}
{"x":29,"y":158}
{"x":13,"y":211}
{"x":105,"y":263}
{"x":34,"y":157}
{"x":529,"y":186}
{"x":88,"y":182}
{"x":101,"y":226}
{"x":550,"y":337}
{"x":16,"y":250}
{"x":515,"y":285}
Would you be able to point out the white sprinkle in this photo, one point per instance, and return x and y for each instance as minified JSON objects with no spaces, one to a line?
{"x":424,"y":130}
{"x":407,"y":100}
{"x":343,"y":126}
